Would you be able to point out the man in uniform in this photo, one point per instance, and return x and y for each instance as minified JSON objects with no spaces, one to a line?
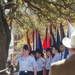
{"x":63,"y":51}
{"x":48,"y":59}
{"x":65,"y":66}
{"x":27,"y":64}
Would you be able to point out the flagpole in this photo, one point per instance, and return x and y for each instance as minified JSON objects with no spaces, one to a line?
{"x":33,"y":40}
{"x":36,"y":38}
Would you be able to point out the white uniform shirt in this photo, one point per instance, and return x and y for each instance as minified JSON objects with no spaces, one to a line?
{"x":56,"y":58}
{"x":40,"y":64}
{"x":48,"y":63}
{"x":27,"y":64}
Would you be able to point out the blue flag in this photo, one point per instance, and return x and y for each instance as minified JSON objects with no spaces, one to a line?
{"x":57,"y":37}
{"x":39,"y":44}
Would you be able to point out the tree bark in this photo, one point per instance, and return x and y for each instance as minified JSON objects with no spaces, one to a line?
{"x":5,"y":36}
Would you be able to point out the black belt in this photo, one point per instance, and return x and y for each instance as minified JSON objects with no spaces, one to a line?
{"x":27,"y":71}
{"x":39,"y":71}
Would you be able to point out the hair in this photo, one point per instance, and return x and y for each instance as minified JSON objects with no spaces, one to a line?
{"x":57,"y":48}
{"x":49,"y":49}
{"x":40,"y":51}
{"x":26,"y":47}
{"x":32,"y":52}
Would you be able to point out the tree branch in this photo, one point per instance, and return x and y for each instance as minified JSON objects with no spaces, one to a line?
{"x":68,"y":5}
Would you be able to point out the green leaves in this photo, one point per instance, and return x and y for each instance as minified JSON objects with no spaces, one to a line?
{"x":39,"y":14}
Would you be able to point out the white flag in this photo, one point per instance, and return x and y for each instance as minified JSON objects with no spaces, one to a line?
{"x":70,"y":29}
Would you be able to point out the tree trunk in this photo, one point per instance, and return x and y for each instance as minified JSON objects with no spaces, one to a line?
{"x":5,"y":37}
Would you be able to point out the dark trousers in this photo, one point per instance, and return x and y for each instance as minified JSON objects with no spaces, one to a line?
{"x":40,"y":73}
{"x":47,"y":72}
{"x":26,"y":73}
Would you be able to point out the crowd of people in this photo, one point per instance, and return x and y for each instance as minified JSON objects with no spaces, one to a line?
{"x":59,"y":60}
{"x":34,"y":63}
{"x":65,"y":66}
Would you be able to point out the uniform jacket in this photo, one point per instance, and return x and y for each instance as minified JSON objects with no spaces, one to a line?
{"x":63,"y":67}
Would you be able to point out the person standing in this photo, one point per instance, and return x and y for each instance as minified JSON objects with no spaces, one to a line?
{"x":63,"y":51}
{"x":55,"y":51}
{"x":40,"y":62}
{"x":65,"y":66}
{"x":48,"y":59}
{"x":27,"y":63}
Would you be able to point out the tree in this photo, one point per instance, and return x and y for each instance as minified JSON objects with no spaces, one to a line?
{"x":23,"y":14}
{"x":4,"y":40}
{"x":51,"y":10}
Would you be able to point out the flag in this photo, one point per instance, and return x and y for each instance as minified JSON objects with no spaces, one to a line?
{"x":36,"y":40}
{"x":52,"y":38}
{"x":62,"y":36}
{"x":36,"y":32}
{"x":39,"y":44}
{"x":28,"y":41}
{"x":46,"y":43}
{"x":70,"y":29}
{"x":66,"y":53}
{"x":57,"y":37}
{"x":62,"y":31}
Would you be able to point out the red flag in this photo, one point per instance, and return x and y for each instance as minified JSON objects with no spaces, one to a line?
{"x":28,"y":41}
{"x":46,"y":43}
